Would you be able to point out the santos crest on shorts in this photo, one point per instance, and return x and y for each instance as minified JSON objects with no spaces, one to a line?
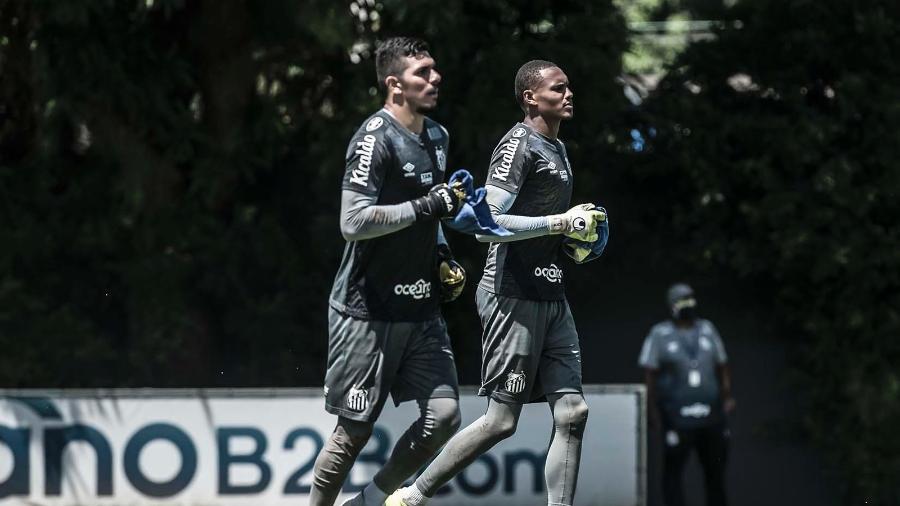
{"x":392,"y":277}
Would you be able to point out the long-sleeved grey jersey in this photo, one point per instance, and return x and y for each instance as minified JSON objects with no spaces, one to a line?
{"x":537,"y":170}
{"x":392,"y":277}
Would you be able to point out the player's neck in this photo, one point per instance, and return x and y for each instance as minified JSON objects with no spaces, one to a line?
{"x":545,"y":127}
{"x":407,"y":116}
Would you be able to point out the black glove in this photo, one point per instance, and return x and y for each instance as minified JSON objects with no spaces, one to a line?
{"x":440,"y":201}
{"x":452,"y":275}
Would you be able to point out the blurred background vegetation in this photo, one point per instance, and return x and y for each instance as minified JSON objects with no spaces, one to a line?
{"x":170,"y":171}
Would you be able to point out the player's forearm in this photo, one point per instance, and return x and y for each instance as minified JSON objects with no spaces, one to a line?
{"x":361,"y":219}
{"x":522,"y":227}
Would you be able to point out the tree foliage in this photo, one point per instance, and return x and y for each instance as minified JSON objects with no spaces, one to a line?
{"x":777,"y":143}
{"x":169,"y":179}
{"x":170,"y":170}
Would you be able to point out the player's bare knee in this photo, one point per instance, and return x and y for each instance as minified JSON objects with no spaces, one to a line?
{"x":502,"y":427}
{"x":506,"y":428}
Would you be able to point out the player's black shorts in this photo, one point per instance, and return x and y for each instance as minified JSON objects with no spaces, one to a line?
{"x":529,"y":348}
{"x":369,"y":359}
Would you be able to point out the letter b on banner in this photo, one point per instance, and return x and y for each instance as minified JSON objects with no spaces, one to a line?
{"x":255,"y":458}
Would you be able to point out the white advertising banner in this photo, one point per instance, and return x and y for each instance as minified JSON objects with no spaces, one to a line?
{"x":257,"y":447}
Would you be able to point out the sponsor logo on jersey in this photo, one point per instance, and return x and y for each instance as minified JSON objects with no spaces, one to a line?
{"x":409,"y":168}
{"x":696,"y":410}
{"x":325,"y":390}
{"x":515,"y":382}
{"x":357,"y":399}
{"x":507,"y":152}
{"x":519,"y":132}
{"x":421,"y":289}
{"x":552,"y":274}
{"x":552,"y":167}
{"x":434,"y":133}
{"x":364,"y":148}
{"x":426,"y":178}
{"x":566,"y":170}
{"x":374,"y":124}
{"x":441,"y":158}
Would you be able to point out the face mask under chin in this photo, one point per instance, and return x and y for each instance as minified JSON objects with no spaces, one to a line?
{"x":685,"y":313}
{"x":685,"y":309}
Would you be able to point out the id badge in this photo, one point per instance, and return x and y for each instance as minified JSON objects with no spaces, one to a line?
{"x":694,"y":378}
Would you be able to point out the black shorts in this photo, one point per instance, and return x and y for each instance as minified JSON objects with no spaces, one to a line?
{"x":369,"y":359}
{"x":530,"y":348}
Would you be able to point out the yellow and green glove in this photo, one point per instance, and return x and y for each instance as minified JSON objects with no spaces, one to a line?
{"x":451,"y":274}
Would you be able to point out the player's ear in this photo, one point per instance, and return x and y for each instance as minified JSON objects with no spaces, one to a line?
{"x":393,"y":85}
{"x":528,"y":97}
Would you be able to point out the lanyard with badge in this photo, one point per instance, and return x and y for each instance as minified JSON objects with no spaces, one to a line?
{"x":691,"y":345}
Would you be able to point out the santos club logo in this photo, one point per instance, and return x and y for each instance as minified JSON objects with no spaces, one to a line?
{"x":421,"y":289}
{"x":357,"y":399}
{"x":552,"y":274}
{"x":365,"y":148}
{"x":507,"y":152}
{"x":515,"y":382}
{"x":441,"y":158}
{"x":374,"y":124}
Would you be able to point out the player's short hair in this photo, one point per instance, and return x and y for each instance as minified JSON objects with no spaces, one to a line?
{"x":529,"y":76}
{"x":390,"y":53}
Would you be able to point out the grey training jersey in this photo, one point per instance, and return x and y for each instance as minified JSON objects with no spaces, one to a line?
{"x":537,"y":170}
{"x":686,"y":360}
{"x":392,"y":277}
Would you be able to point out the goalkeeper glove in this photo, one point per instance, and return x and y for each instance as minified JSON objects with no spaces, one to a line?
{"x":452,"y":275}
{"x":577,"y":251}
{"x":578,"y":223}
{"x":440,"y":201}
{"x":582,"y":252}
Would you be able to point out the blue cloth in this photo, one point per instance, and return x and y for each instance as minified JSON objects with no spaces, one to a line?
{"x":597,"y":246}
{"x":475,"y":216}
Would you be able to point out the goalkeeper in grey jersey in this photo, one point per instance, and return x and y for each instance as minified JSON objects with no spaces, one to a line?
{"x":530,"y":349}
{"x":386,"y":333}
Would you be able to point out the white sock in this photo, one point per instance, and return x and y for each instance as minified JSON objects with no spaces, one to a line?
{"x":412,"y":496}
{"x":373,"y":496}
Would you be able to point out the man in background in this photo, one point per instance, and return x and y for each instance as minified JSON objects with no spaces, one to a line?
{"x":688,"y":395}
